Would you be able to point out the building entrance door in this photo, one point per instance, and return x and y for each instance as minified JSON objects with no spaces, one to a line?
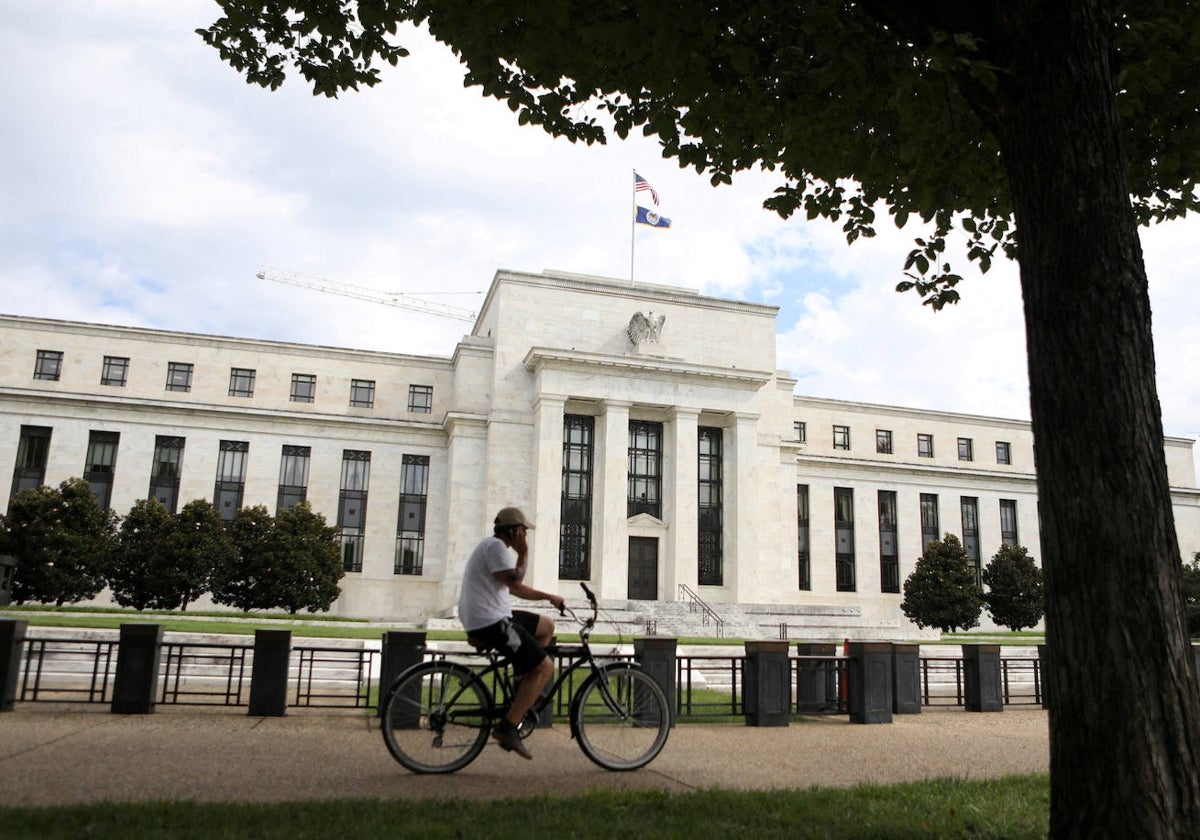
{"x":643,"y":568}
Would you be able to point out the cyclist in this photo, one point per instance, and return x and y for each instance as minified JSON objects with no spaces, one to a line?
{"x":492,"y":575}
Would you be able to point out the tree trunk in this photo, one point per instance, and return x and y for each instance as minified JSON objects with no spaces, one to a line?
{"x":1124,"y":715}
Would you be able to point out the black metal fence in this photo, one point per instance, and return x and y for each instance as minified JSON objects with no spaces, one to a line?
{"x":219,"y":674}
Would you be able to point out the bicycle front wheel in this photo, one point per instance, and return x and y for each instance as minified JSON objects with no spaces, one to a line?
{"x":437,"y":717}
{"x":621,"y":717}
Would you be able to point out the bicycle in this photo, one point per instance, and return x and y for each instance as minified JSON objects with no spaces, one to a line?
{"x":437,"y":716}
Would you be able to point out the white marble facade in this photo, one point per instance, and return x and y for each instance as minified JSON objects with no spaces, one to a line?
{"x":545,"y":346}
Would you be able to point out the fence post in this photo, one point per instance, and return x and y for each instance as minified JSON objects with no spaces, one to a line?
{"x":1044,"y":673}
{"x":401,"y":649}
{"x":906,"y":679}
{"x":982,"y":683}
{"x":135,"y":685}
{"x":816,"y":681}
{"x":870,"y":678}
{"x":657,"y":657}
{"x":12,"y":640}
{"x":268,"y":678}
{"x":767,"y":692}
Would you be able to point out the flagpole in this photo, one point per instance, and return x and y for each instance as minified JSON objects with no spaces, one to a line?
{"x":632,"y":225}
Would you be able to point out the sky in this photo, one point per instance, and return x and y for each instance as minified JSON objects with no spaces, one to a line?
{"x":145,"y":184}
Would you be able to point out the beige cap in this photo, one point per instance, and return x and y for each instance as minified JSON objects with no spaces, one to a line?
{"x":512,"y":516}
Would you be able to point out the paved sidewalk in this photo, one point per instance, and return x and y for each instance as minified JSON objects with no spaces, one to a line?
{"x":58,"y":755}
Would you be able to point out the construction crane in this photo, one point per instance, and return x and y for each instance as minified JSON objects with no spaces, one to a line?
{"x":399,"y":299}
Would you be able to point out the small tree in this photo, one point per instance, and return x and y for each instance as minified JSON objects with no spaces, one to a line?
{"x":139,"y":572}
{"x":1015,"y":596}
{"x":941,"y":592}
{"x":200,"y":544}
{"x":243,"y":579}
{"x":63,"y":541}
{"x":308,"y":563}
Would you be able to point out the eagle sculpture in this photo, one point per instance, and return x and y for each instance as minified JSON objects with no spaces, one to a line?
{"x":645,"y":327}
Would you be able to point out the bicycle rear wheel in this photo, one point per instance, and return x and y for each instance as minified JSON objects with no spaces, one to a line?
{"x":437,"y":717}
{"x":621,"y":717}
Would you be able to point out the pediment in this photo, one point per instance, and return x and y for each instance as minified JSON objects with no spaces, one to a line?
{"x":645,"y":520}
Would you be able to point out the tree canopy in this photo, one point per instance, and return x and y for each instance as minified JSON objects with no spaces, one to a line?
{"x":941,"y":592}
{"x":63,"y":541}
{"x":1015,"y":597}
{"x":857,"y":105}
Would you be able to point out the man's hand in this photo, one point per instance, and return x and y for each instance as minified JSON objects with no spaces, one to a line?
{"x":557,"y":601}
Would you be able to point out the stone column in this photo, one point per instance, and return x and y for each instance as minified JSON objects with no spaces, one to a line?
{"x":741,"y":507}
{"x":679,"y":564}
{"x":657,"y":655}
{"x":610,"y":544}
{"x":547,"y":491}
{"x":906,"y":679}
{"x":816,"y":680}
{"x":981,"y":678}
{"x":870,"y":682}
{"x":766,"y":699}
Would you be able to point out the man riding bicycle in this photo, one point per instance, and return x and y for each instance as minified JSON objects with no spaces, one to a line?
{"x":492,"y":576}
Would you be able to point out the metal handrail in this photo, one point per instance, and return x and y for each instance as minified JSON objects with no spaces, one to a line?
{"x":706,"y":611}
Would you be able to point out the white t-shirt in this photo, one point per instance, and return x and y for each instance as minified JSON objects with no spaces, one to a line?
{"x":485,"y":600}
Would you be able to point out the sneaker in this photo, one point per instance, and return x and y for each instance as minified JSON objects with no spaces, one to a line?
{"x":509,"y":739}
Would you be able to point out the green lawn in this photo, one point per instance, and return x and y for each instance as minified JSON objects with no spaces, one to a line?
{"x":1013,"y":807}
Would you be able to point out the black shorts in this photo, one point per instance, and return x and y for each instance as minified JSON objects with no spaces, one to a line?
{"x":514,"y":639}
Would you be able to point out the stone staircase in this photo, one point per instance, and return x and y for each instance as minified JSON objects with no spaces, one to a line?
{"x":686,"y":619}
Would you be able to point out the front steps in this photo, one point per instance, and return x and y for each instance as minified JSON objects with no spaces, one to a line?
{"x":794,"y":622}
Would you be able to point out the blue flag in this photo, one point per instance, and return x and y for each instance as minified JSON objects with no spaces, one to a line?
{"x":649,"y":217}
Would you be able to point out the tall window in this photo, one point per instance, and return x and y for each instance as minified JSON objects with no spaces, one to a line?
{"x":241,"y":382}
{"x":645,"y":468}
{"x":883,"y":441}
{"x":1008,"y":521}
{"x":48,"y":365}
{"x":841,"y":437}
{"x":304,"y":387}
{"x":362,"y":393}
{"x":804,"y":553}
{"x":711,"y":562}
{"x":966,"y":449}
{"x":179,"y":376}
{"x":970,"y":533}
{"x":800,"y":431}
{"x":889,"y":553}
{"x":352,"y":506}
{"x":231,"y":477}
{"x":929,"y":519}
{"x":293,"y":476}
{"x":1003,"y":452}
{"x":924,"y":446}
{"x":410,"y":524}
{"x":100,"y":464}
{"x":115,"y":371}
{"x":33,"y":450}
{"x":165,"y":471}
{"x":420,"y":399}
{"x":575,"y":506}
{"x":843,"y":523}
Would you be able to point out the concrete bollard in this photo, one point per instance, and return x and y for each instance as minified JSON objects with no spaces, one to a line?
{"x":12,"y":642}
{"x":135,"y":686}
{"x":767,"y":695}
{"x":906,"y":679}
{"x":268,"y":680}
{"x":870,"y":678}
{"x":982,"y":684}
{"x":657,"y":657}
{"x":401,"y":650}
{"x":816,"y":680}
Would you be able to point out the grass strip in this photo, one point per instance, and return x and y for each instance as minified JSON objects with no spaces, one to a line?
{"x":1011,"y":808}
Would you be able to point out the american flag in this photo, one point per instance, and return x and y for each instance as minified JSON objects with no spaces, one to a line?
{"x":640,"y":184}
